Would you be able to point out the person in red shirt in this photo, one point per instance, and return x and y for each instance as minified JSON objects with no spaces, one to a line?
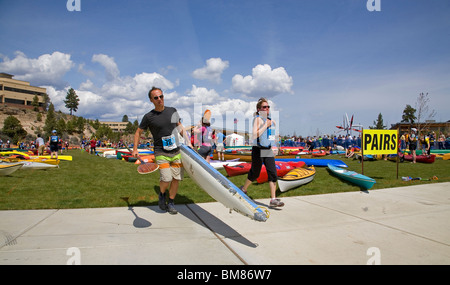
{"x":93,"y":145}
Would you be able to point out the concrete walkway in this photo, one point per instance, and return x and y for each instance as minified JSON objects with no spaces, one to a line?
{"x":408,"y":225}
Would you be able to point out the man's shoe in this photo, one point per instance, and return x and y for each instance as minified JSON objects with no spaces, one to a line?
{"x":171,"y":209}
{"x":162,"y":202}
{"x":276,"y":203}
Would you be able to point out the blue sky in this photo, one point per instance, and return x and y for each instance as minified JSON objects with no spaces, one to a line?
{"x":314,"y":60}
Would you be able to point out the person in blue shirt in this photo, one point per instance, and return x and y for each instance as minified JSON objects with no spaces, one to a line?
{"x":220,"y":147}
{"x":53,"y":142}
{"x":263,"y":140}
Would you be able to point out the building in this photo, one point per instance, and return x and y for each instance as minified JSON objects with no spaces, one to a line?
{"x":116,"y":126}
{"x":19,"y":93}
{"x":426,"y":127}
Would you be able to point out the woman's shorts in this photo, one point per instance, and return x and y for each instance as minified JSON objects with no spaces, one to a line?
{"x":205,"y":151}
{"x":169,"y":167}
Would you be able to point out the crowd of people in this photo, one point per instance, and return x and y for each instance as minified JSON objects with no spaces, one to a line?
{"x":428,"y":141}
{"x":40,"y":146}
{"x":326,"y":141}
{"x":90,"y":145}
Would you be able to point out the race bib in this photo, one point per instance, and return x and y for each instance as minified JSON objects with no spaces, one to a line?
{"x":169,"y":142}
{"x":271,"y":134}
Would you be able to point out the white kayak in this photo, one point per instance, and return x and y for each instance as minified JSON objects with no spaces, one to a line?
{"x":219,"y":187}
{"x":32,"y":165}
{"x":7,"y":169}
{"x":218,"y":164}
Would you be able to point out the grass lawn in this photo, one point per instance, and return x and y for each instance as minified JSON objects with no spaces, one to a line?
{"x":90,"y":182}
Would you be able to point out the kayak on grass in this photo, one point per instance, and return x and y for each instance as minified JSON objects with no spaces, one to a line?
{"x":352,"y":176}
{"x":296,"y":178}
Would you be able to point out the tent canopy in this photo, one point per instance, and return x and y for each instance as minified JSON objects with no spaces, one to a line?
{"x":234,"y":140}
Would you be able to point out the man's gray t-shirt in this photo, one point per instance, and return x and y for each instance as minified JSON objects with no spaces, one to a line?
{"x":163,"y":125}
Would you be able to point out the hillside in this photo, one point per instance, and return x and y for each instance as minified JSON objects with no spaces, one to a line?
{"x":28,"y":119}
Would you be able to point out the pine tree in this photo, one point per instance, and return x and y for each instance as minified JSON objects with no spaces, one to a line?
{"x":50,"y":121}
{"x":35,"y":103}
{"x":378,"y":124}
{"x":72,"y":100}
{"x":409,"y":115}
{"x":13,"y":129}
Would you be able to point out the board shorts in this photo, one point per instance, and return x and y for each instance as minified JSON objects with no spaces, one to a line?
{"x":169,"y":167}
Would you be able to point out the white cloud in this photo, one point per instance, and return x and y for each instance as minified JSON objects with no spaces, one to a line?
{"x":82,"y":70}
{"x":87,"y":85}
{"x":122,"y":96}
{"x":47,"y":69}
{"x":263,"y":82}
{"x":224,"y":112}
{"x":56,"y":96}
{"x":197,"y":95}
{"x":137,"y":87}
{"x":167,"y":69}
{"x":129,"y":94}
{"x":111,"y":69}
{"x":115,"y":98}
{"x":212,"y":71}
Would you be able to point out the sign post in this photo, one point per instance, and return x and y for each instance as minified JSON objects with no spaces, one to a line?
{"x":379,"y":142}
{"x":362,"y":151}
{"x":398,"y":141}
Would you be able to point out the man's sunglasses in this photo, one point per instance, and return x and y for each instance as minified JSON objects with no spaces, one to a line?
{"x":159,"y":97}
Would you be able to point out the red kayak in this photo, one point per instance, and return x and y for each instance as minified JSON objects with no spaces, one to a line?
{"x":421,"y":158}
{"x":238,"y":169}
{"x":282,"y":169}
{"x":318,"y":153}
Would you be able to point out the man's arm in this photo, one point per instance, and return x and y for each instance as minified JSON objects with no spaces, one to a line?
{"x":137,"y":136}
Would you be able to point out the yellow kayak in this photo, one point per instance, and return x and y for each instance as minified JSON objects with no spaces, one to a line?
{"x":445,"y":156}
{"x":12,"y":152}
{"x":60,"y":157}
{"x":51,"y":161}
{"x":296,"y":177}
{"x":15,"y":152}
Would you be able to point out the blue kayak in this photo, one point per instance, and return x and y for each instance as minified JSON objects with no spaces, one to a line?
{"x":315,"y":161}
{"x":353,"y":177}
